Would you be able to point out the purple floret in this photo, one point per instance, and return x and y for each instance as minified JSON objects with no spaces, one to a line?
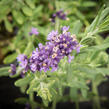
{"x":52,"y":34}
{"x":60,"y":14}
{"x":13,"y":70}
{"x":33,"y":31}
{"x":65,"y":29}
{"x":78,"y":48}
{"x":22,"y":59}
{"x":23,"y":63}
{"x":70,"y":58}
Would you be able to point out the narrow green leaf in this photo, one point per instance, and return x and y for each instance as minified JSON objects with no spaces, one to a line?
{"x":8,"y":25}
{"x":84,"y":93}
{"x":105,"y":22}
{"x":29,"y":48}
{"x":5,"y":9}
{"x":88,"y":4}
{"x":95,"y":22}
{"x":104,"y":13}
{"x":104,"y":26}
{"x":38,"y":9}
{"x":80,"y":15}
{"x":33,"y":85}
{"x":77,"y":27}
{"x":74,"y":93}
{"x":30,"y":3}
{"x":18,"y":16}
{"x":98,"y":79}
{"x":10,"y":58}
{"x":22,"y":100}
{"x":24,"y":81}
{"x":4,"y":71}
{"x":99,"y":47}
{"x":94,"y":55}
{"x":87,"y":40}
{"x":27,"y":11}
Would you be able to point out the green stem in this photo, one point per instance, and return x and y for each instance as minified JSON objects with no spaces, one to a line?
{"x":31,"y":98}
{"x":57,"y":24}
{"x":54,"y":104}
{"x":77,"y":104}
{"x":96,"y":102}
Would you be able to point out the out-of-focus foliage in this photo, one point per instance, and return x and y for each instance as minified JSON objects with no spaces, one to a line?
{"x":18,"y":17}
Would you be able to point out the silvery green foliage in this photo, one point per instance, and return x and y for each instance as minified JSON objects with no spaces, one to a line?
{"x":90,"y":65}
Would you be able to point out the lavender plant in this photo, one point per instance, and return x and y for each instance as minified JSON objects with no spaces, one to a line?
{"x":64,"y":61}
{"x":49,"y":55}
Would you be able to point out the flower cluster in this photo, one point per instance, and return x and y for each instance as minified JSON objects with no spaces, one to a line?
{"x":60,"y":14}
{"x":48,"y":56}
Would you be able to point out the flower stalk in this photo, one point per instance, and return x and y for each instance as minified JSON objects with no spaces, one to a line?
{"x":96,"y":102}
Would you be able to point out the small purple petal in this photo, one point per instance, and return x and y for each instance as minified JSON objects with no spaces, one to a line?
{"x":40,"y":45}
{"x":22,"y":74}
{"x":78,"y":48}
{"x":13,"y":70}
{"x":53,"y":20}
{"x":63,"y":16}
{"x":70,"y":58}
{"x":54,"y":69}
{"x":21,"y":57}
{"x":54,"y":15}
{"x":52,"y":34}
{"x":65,"y":29}
{"x":34,"y":31}
{"x":58,"y":13}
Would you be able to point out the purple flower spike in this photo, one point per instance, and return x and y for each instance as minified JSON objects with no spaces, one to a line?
{"x":13,"y":70}
{"x":47,"y":57}
{"x":34,"y":31}
{"x":70,"y":58}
